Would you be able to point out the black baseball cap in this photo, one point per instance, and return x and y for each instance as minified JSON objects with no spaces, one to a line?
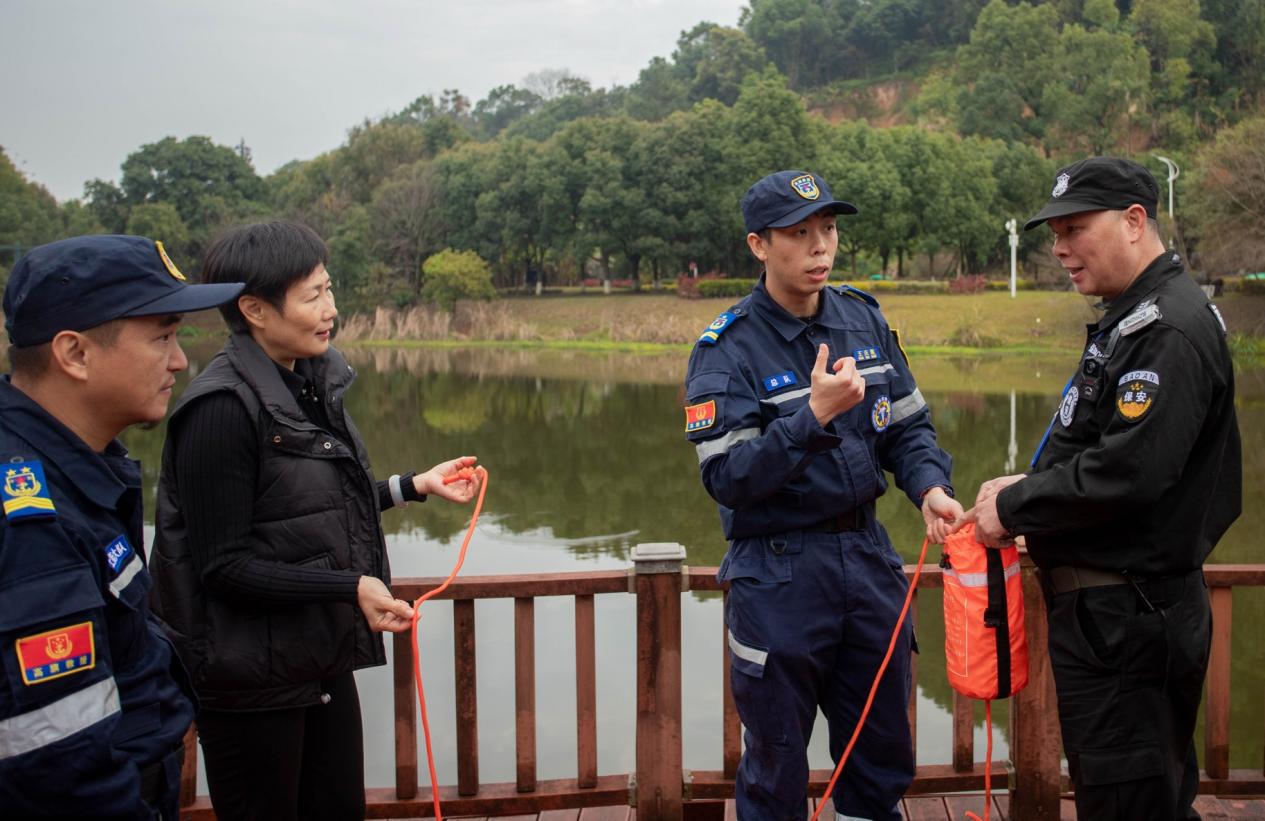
{"x":79,"y":283}
{"x":1099,"y":184}
{"x":786,"y":198}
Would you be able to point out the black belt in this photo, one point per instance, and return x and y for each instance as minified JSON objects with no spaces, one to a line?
{"x":854,"y":519}
{"x":1069,"y":578}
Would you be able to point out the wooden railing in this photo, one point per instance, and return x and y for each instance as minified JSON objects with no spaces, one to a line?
{"x":660,"y":788}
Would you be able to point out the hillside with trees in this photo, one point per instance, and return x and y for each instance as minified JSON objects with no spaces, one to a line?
{"x":939,"y":120}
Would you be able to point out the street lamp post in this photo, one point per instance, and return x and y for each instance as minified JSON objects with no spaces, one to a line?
{"x":1012,"y":226}
{"x":1173,"y":171}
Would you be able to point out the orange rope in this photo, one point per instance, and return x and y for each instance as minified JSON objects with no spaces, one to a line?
{"x":988,"y":762}
{"x":465,"y":473}
{"x":882,"y":668}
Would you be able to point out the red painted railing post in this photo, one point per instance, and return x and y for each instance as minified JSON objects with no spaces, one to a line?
{"x":657,"y":585}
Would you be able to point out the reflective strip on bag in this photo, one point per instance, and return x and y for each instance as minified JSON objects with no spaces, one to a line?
{"x":63,"y":718}
{"x":976,"y":579}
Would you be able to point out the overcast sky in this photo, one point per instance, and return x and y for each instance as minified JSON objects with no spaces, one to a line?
{"x":83,"y":83}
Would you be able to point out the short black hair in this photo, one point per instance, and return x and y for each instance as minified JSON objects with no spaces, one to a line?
{"x":268,"y":256}
{"x":32,"y":361}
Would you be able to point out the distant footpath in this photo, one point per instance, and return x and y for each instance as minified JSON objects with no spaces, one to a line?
{"x":991,"y":322}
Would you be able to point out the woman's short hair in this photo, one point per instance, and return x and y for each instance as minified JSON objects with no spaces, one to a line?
{"x":268,"y":256}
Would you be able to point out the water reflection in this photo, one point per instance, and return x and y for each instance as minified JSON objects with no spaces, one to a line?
{"x":588,"y":458}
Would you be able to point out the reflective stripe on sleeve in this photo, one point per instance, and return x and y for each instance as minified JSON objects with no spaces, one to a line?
{"x":746,"y":653}
{"x":715,"y":447}
{"x":63,"y":718}
{"x":125,"y":578}
{"x":908,"y":406}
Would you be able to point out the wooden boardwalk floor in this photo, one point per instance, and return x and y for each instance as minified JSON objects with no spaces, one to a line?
{"x":920,"y":808}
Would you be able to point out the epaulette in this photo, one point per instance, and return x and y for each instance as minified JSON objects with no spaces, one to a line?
{"x":24,"y":491}
{"x":1144,"y":315}
{"x":720,"y":324}
{"x":857,"y":293}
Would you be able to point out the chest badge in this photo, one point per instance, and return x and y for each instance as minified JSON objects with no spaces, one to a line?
{"x":881,"y":413}
{"x":865,"y":354}
{"x":700,"y":417}
{"x":25,"y":492}
{"x":1136,"y":394}
{"x":56,"y":653}
{"x":1067,"y":410}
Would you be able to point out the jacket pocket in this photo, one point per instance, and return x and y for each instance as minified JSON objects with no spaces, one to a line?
{"x":1116,"y":765}
{"x":765,"y":559}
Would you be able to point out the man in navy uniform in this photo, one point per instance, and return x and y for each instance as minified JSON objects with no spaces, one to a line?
{"x":93,"y":702}
{"x":1138,"y":476}
{"x":798,"y":398}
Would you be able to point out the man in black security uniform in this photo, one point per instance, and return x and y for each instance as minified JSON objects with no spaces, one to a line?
{"x":1137,"y":478}
{"x":93,"y":702}
{"x":799,"y":397}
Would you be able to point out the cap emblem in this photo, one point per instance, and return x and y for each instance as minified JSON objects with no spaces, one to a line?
{"x":171,"y":266}
{"x":806,"y":187}
{"x":1060,"y":185}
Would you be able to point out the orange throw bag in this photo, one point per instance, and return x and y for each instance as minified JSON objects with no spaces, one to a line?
{"x":985,"y":646}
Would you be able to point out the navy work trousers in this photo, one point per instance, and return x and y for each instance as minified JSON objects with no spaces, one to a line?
{"x":810,"y":616}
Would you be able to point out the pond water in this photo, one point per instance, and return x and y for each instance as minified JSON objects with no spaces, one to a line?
{"x":587,"y":458}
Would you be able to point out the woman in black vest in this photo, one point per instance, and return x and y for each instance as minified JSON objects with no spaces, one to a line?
{"x":270,"y":565}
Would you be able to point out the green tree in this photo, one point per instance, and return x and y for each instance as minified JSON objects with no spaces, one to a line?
{"x":1100,"y":86}
{"x":28,"y":213}
{"x":160,"y":221}
{"x":1227,"y":205}
{"x":452,"y":275}
{"x":202,"y":180}
{"x":794,"y":36}
{"x":404,"y":220}
{"x":713,"y":61}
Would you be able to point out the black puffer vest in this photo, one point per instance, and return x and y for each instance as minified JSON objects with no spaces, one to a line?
{"x":316,"y":505}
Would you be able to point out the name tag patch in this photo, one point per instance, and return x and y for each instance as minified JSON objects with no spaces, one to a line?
{"x":117,"y":553}
{"x":866,"y":354}
{"x":1136,"y":394}
{"x":56,"y":653}
{"x":778,"y":381}
{"x":699,"y":417}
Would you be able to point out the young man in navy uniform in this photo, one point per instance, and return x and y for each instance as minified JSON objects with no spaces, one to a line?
{"x":1138,"y":476}
{"x":93,"y":702}
{"x":798,"y":398}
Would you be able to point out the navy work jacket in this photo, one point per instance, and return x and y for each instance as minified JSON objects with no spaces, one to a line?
{"x":763,"y":456}
{"x":90,"y":690}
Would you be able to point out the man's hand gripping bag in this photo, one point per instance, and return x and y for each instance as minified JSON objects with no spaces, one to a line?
{"x":985,"y":646}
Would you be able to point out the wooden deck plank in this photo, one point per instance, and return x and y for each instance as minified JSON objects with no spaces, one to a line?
{"x":605,"y":814}
{"x":1210,"y":809}
{"x":560,"y":815}
{"x":1002,"y":802}
{"x":957,"y":806}
{"x":925,"y":808}
{"x":1243,"y":808}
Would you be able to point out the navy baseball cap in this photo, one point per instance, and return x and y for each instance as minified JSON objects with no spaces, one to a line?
{"x":1099,"y":184}
{"x":786,"y":198}
{"x":79,"y":283}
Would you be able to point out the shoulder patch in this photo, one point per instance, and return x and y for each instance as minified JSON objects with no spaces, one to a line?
{"x":1136,"y":393}
{"x":1220,"y":319}
{"x":900,"y":347}
{"x":1146,"y":314}
{"x":719,"y":325}
{"x":24,"y":492}
{"x":856,"y":293}
{"x":56,"y":653}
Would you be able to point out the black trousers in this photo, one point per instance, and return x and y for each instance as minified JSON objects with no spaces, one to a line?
{"x":1129,"y":667}
{"x":301,"y":763}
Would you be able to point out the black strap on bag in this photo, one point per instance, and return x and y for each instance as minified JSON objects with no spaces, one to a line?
{"x":996,"y":615}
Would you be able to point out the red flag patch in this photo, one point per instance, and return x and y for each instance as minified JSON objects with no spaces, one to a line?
{"x":56,"y":653}
{"x":698,"y":417}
